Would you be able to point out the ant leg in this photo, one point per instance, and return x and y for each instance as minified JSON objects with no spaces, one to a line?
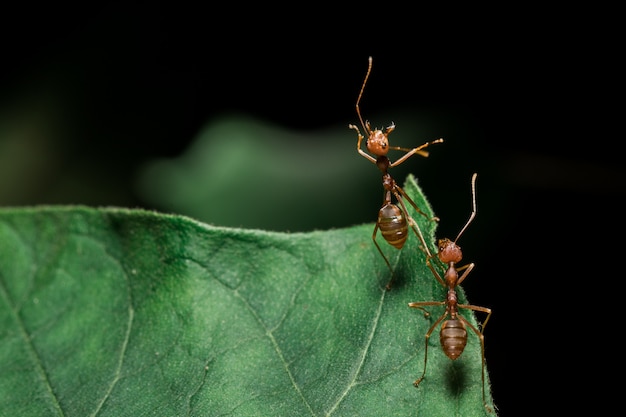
{"x":468,"y":268}
{"x":414,"y":151}
{"x":388,"y":286}
{"x":358,"y":145}
{"x":410,"y":200}
{"x":418,"y":232}
{"x":434,"y":271}
{"x":358,"y":131}
{"x":481,"y":337}
{"x":432,"y":328}
{"x":485,"y":310}
{"x":414,"y":225}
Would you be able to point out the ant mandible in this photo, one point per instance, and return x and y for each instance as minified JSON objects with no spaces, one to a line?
{"x":392,"y":221}
{"x":453,"y":333}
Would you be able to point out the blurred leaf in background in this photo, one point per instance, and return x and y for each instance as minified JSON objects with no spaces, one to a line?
{"x":243,"y":172}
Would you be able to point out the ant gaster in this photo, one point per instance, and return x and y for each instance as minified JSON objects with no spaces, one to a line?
{"x":453,"y":333}
{"x":392,"y":221}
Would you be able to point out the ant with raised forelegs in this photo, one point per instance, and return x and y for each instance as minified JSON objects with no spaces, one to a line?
{"x":392,"y":221}
{"x":453,"y":333}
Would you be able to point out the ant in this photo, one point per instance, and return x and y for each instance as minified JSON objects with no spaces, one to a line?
{"x":453,"y":334}
{"x":392,"y":221}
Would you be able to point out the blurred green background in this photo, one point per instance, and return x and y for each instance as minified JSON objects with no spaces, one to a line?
{"x":242,"y":122}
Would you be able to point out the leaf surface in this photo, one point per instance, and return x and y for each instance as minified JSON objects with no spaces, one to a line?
{"x":119,"y":312}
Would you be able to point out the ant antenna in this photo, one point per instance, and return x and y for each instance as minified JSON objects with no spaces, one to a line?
{"x":358,"y":100}
{"x":473,"y":207}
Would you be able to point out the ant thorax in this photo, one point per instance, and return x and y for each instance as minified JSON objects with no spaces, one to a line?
{"x":382,"y":162}
{"x":451,"y":277}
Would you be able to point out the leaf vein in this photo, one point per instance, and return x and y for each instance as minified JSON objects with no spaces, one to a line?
{"x":120,"y":362}
{"x":278,"y":350}
{"x":31,"y":348}
{"x":364,"y":353}
{"x":122,"y":354}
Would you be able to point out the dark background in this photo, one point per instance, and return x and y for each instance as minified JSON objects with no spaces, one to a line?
{"x":516,"y":101}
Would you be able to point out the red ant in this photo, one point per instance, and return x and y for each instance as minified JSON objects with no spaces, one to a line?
{"x":392,"y":221}
{"x":453,"y":334}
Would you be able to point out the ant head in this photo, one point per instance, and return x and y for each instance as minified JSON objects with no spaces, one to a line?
{"x":449,"y":251}
{"x":378,"y":143}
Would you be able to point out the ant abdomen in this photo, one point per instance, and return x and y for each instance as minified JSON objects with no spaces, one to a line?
{"x":453,"y":338}
{"x":393,"y":225}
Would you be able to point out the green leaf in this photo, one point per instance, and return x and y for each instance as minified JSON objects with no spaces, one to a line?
{"x":117,"y":312}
